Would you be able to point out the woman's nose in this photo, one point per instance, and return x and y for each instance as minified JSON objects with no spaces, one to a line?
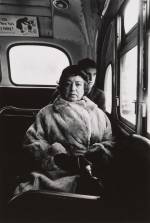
{"x":73,"y":87}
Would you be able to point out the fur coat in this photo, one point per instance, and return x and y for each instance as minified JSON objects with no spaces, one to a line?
{"x":62,"y":127}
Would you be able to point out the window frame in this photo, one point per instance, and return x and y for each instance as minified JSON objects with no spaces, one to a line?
{"x":32,"y":44}
{"x":138,"y":35}
{"x":146,"y":58}
{"x":109,"y":64}
{"x":126,"y":42}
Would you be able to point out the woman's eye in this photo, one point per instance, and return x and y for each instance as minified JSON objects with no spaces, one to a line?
{"x":78,"y":84}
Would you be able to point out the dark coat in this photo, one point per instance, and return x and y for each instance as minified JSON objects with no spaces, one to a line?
{"x":98,"y":97}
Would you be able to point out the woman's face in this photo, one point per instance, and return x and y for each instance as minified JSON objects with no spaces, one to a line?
{"x":73,"y":88}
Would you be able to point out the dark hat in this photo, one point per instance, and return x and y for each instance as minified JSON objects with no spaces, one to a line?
{"x":72,"y":70}
{"x":86,"y":63}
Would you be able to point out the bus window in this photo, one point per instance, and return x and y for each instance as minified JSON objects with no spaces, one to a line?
{"x":148,"y":97}
{"x":108,"y":88}
{"x":131,"y":14}
{"x":128,"y":57}
{"x":128,"y":85}
{"x":27,"y":66}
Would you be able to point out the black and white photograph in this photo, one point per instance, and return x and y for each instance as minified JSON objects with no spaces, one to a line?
{"x":74,"y":111}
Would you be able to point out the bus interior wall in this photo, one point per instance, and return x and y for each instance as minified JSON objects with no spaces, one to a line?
{"x":79,"y":32}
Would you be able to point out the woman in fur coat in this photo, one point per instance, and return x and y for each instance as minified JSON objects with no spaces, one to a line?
{"x":69,"y":138}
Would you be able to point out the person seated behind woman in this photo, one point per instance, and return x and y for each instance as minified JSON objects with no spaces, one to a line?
{"x":95,"y":94}
{"x":68,"y":139}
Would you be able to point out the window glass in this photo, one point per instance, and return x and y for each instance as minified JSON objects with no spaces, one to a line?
{"x":108,"y":88}
{"x":148,"y":103}
{"x":148,"y":97}
{"x":128,"y":85}
{"x":131,"y":14}
{"x":36,"y":65}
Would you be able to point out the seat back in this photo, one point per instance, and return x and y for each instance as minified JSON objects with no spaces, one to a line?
{"x":13,"y":124}
{"x":132,"y":175}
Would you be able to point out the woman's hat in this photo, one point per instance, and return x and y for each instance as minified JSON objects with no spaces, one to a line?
{"x":72,"y":70}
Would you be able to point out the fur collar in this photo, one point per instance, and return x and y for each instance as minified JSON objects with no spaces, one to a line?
{"x":85,"y":102}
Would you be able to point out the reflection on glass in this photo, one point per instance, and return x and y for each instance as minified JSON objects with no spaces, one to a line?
{"x":108,"y":88}
{"x":128,"y":85}
{"x":131,"y":14}
{"x":36,"y":65}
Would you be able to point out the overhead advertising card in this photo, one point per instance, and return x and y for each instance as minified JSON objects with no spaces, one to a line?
{"x":11,"y":25}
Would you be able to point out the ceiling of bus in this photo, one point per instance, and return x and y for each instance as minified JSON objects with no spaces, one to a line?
{"x":47,"y":3}
{"x":77,"y":23}
{"x":70,"y":23}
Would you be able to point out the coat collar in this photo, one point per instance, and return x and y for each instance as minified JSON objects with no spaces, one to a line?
{"x":85,"y":102}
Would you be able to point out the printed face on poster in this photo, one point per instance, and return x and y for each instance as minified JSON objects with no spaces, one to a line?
{"x":11,"y":25}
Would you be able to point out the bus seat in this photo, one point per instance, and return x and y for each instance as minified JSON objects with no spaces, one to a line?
{"x":25,"y":97}
{"x":132,"y":177}
{"x":53,"y":206}
{"x":129,"y":172}
{"x":13,"y":124}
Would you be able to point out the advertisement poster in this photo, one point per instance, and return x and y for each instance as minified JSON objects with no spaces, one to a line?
{"x":18,"y":26}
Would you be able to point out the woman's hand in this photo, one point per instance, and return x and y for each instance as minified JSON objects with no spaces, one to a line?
{"x":98,"y":153}
{"x":74,"y":164}
{"x":66,"y":162}
{"x":56,"y":148}
{"x":99,"y":147}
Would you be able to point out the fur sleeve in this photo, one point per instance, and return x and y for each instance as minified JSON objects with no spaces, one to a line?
{"x":36,"y":145}
{"x":35,"y":137}
{"x":108,"y":140}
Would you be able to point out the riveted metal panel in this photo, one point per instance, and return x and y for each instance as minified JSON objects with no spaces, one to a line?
{"x":44,"y":3}
{"x":26,"y":10}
